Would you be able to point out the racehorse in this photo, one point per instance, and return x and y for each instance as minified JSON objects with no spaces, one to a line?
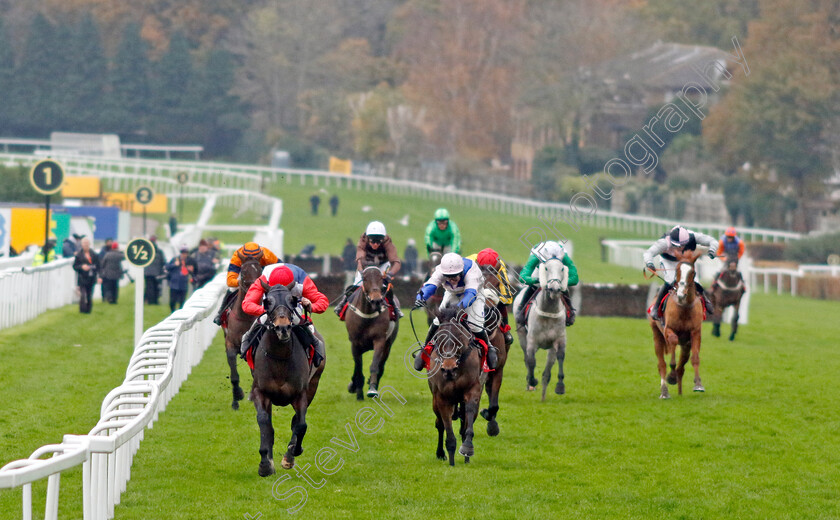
{"x":282,"y":376}
{"x":433,"y":302}
{"x":546,"y":325}
{"x":369,"y":327}
{"x":455,"y":380}
{"x":238,"y":322}
{"x":727,"y":291}
{"x":683,"y":319}
{"x":492,"y":324}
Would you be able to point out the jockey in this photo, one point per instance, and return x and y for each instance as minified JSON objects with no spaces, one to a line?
{"x":462,"y":281}
{"x":678,"y":240}
{"x":730,"y":247}
{"x":489,"y":257}
{"x":442,"y":235}
{"x":539,"y":254}
{"x":375,"y":249}
{"x":301,"y":286}
{"x":249,"y":250}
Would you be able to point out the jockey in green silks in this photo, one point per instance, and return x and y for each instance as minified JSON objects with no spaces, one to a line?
{"x":530,"y":276}
{"x":443,"y":235}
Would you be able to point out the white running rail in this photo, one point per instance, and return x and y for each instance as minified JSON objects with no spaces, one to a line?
{"x":161,"y":361}
{"x":26,"y":292}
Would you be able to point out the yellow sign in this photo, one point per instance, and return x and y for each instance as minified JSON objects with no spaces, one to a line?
{"x":28,"y":227}
{"x":344,"y":166}
{"x":81,"y":187}
{"x":128,"y":202}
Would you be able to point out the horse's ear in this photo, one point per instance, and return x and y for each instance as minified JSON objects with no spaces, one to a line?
{"x":239,"y":254}
{"x":265,"y":286}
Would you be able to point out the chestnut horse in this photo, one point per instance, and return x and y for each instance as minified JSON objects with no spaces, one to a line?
{"x":683,"y":320}
{"x":727,"y":291}
{"x":238,"y":321}
{"x":369,"y":327}
{"x":492,"y":323}
{"x":455,"y":379}
{"x":282,"y":376}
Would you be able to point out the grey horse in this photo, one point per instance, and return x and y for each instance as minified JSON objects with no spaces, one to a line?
{"x":546,"y":325}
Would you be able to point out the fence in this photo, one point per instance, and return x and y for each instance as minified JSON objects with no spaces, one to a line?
{"x":254,"y":178}
{"x":162,"y":360}
{"x":26,"y":292}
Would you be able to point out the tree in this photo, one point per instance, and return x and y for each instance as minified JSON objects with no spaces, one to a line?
{"x":39,"y":75}
{"x":218,"y":113}
{"x":7,"y":78}
{"x":711,"y":22}
{"x":171,"y":84}
{"x":779,"y":117}
{"x":129,"y":100}
{"x":86,"y":82}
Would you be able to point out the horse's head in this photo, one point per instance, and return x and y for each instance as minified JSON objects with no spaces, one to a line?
{"x":280,"y":306}
{"x":553,"y":277}
{"x":372,"y":285}
{"x":732,"y":264}
{"x":434,"y":261}
{"x":452,"y":342}
{"x":492,"y":284}
{"x":684,"y":279}
{"x":251,"y":270}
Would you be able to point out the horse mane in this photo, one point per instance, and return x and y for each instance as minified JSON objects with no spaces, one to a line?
{"x":447,"y":314}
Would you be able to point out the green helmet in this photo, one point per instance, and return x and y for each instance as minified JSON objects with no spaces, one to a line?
{"x":441,"y":214}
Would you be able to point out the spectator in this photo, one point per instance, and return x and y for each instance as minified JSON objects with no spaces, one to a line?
{"x":315,"y":201}
{"x":178,"y":272}
{"x":85,"y":265}
{"x":173,"y":225}
{"x":101,"y":255}
{"x":307,"y":251}
{"x":334,"y":204}
{"x":152,"y":274}
{"x":348,"y":257}
{"x":111,"y":272}
{"x":205,"y":264}
{"x":45,"y":255}
{"x":410,"y":256}
{"x":70,"y":246}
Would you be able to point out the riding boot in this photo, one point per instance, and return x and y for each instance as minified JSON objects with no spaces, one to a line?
{"x":418,"y":360}
{"x":662,"y":292}
{"x":394,"y":302}
{"x":710,"y":308}
{"x":248,"y":336}
{"x":320,"y":350}
{"x":492,"y":356}
{"x":228,"y":299}
{"x":570,"y":311}
{"x":343,"y":300}
{"x":503,"y":312}
{"x":519,"y":315}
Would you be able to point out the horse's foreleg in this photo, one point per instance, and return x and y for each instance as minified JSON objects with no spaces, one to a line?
{"x":295,"y":447}
{"x":238,"y":395}
{"x":358,"y":380}
{"x":735,"y":318}
{"x":684,"y":352}
{"x":446,"y":416}
{"x":439,"y":425}
{"x":377,"y":367}
{"x":263,"y":407}
{"x":560,"y":387}
{"x":531,"y":363}
{"x":659,"y":348}
{"x":672,"y":375}
{"x":471,"y":400}
{"x":549,"y":363}
{"x":493,"y":385}
{"x":695,"y":360}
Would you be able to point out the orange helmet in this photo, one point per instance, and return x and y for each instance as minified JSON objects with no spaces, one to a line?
{"x":251,"y":249}
{"x":730,"y":232}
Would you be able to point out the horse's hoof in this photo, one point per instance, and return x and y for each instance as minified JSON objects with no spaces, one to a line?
{"x":267,"y":469}
{"x":699,"y":388}
{"x":441,"y":455}
{"x":715,"y":333}
{"x":560,"y":389}
{"x":235,"y":405}
{"x":485,"y":413}
{"x":466,"y":451}
{"x":664,"y":396}
{"x":732,"y":337}
{"x":351,"y":387}
{"x":287,"y":464}
{"x":532,"y":382}
{"x":466,"y":460}
{"x":238,"y":394}
{"x":531,"y":388}
{"x":372,"y":392}
{"x":672,"y":379}
{"x":360,"y":396}
{"x":492,"y":428}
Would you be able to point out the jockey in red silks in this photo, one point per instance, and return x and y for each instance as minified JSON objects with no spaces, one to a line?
{"x":300,"y":285}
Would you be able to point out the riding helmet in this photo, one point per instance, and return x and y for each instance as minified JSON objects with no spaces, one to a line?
{"x":730,"y":232}
{"x":375,"y":228}
{"x":679,"y":236}
{"x":251,"y":249}
{"x":441,"y":214}
{"x":487,"y":257}
{"x":547,"y":250}
{"x":451,"y":264}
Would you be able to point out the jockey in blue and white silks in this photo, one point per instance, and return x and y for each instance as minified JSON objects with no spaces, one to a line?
{"x":462,"y":280}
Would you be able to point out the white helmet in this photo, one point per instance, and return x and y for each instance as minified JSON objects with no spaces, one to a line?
{"x":375,"y":228}
{"x":451,"y":263}
{"x":548,"y":250}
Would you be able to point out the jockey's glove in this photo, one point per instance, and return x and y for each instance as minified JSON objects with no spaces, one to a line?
{"x":650,"y":266}
{"x":468,"y":299}
{"x":711,"y":254}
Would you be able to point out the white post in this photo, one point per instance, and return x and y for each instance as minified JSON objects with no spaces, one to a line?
{"x":139,"y":290}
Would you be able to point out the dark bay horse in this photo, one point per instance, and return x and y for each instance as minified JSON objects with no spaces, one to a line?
{"x":727,"y":292}
{"x":369,"y":327}
{"x":238,"y":322}
{"x":492,"y":324}
{"x":683,"y":324}
{"x":282,"y":377}
{"x":433,"y":303}
{"x":455,"y":381}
